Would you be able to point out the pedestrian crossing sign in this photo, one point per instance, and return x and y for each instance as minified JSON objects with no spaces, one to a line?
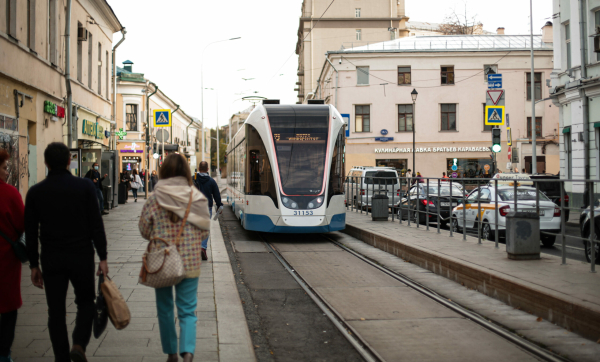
{"x":494,"y":115}
{"x":162,"y":118}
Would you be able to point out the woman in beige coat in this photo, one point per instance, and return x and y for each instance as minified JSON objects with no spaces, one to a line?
{"x":161,"y":218}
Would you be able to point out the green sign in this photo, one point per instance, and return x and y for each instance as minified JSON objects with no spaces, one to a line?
{"x":120,"y":133}
{"x":92,"y":129}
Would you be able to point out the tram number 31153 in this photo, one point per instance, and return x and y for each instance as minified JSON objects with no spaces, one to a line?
{"x":302,"y":213}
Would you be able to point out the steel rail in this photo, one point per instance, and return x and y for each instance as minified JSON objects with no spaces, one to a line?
{"x":347,"y":331}
{"x":482,"y":321}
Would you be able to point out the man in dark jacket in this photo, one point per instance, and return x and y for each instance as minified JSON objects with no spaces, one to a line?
{"x":94,"y":175}
{"x":210,"y":189}
{"x":64,"y":209}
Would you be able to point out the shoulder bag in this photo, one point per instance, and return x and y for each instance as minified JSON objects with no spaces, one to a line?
{"x":18,"y":247}
{"x":164,"y":268}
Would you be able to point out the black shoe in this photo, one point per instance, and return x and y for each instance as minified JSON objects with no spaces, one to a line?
{"x":135,"y":200}
{"x":204,"y":256}
{"x":104,"y":213}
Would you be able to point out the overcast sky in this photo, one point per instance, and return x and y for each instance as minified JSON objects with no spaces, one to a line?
{"x":165,"y":40}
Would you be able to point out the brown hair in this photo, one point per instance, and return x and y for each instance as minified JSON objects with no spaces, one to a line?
{"x":135,"y":171}
{"x":4,"y":156}
{"x":175,"y":165}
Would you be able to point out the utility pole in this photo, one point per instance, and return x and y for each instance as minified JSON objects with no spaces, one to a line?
{"x":532,"y":91}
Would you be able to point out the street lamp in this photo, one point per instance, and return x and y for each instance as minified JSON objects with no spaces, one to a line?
{"x":414,"y":95}
{"x":202,"y":89}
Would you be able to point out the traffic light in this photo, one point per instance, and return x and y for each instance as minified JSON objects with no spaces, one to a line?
{"x":496,"y":146}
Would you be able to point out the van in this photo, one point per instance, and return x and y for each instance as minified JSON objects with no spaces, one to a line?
{"x":363,"y":182}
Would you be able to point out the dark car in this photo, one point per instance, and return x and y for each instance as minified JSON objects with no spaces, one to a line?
{"x":584,"y":225}
{"x":423,"y":198}
{"x":551,"y":188}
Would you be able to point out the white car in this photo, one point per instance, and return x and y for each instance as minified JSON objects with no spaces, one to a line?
{"x":549,"y":212}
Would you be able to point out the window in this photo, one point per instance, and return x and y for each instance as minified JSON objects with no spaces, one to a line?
{"x":79,"y":58}
{"x":99,"y":68}
{"x":131,"y":117}
{"x":538,"y":127}
{"x":448,"y":75}
{"x":362,"y":118}
{"x":569,"y":152}
{"x":357,"y":13}
{"x":358,"y":34}
{"x":404,"y":75}
{"x":259,"y":178}
{"x":31,"y":24}
{"x":107,"y":73}
{"x":52,"y":31}
{"x":90,"y":48}
{"x":448,"y":117}
{"x":537,"y":78}
{"x":485,"y":126}
{"x":489,"y":69}
{"x":362,"y":75}
{"x":597,"y":23}
{"x":11,"y":18}
{"x":405,"y":118}
{"x":568,"y":42}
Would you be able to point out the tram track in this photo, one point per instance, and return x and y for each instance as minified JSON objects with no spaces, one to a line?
{"x":362,"y":346}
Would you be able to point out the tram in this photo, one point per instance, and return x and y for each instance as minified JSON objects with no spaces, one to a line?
{"x":285,"y":169}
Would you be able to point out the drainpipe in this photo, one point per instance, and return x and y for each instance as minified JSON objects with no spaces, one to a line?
{"x":114,"y":95}
{"x":68,"y":77}
{"x":336,"y":80}
{"x":148,"y":130}
{"x":172,"y":113}
{"x":584,"y":102}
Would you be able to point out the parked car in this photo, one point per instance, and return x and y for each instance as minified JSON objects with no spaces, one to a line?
{"x":584,"y":226}
{"x":363,"y":182}
{"x":425,"y":200}
{"x":485,"y":196}
{"x":552,"y":190}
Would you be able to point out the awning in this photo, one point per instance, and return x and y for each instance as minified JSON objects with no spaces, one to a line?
{"x":597,"y":125}
{"x":568,"y":129}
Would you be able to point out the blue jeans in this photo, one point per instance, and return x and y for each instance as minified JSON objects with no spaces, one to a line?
{"x":205,"y":241}
{"x":186,"y":301}
{"x":134,"y":192}
{"x":100,"y":197}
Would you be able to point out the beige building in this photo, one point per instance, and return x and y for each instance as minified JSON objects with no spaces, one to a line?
{"x":184,"y":135}
{"x":372,"y":89}
{"x":345,"y":24}
{"x":33,"y":88}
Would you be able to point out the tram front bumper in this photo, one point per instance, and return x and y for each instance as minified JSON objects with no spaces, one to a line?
{"x":295,"y":224}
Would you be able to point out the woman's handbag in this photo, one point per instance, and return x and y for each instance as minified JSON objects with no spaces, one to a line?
{"x":164,"y":268}
{"x":118,"y":311}
{"x":18,"y":247}
{"x":101,"y":315}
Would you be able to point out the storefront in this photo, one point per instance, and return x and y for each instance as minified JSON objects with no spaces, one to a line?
{"x":92,"y":139}
{"x":131,"y":156}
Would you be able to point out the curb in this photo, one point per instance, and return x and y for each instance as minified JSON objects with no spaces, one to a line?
{"x":570,"y":315}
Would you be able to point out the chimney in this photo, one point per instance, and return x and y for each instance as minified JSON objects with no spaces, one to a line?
{"x":128,"y":66}
{"x":500,"y":31}
{"x":547,"y":32}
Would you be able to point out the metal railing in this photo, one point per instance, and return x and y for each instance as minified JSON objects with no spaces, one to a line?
{"x":423,"y":200}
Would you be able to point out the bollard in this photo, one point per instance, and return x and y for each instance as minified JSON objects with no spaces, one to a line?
{"x":523,"y":235}
{"x":380,"y":207}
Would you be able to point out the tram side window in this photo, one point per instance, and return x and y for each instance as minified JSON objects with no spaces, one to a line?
{"x":241,"y":167}
{"x":337,"y":169}
{"x":259,"y":175}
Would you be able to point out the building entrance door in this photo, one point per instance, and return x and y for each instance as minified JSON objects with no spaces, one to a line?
{"x":541,"y":164}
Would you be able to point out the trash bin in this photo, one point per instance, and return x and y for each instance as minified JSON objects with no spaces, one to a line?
{"x":122,"y":192}
{"x":379,"y":207}
{"x":523,"y":235}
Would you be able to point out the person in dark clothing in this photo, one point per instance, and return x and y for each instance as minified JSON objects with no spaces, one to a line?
{"x":64,"y":209}
{"x":210,"y":189}
{"x":94,"y":175}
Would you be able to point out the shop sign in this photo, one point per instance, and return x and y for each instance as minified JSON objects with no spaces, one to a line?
{"x":120,"y":133}
{"x":132,"y":148}
{"x":432,"y":149}
{"x":92,"y":129}
{"x":384,"y":139}
{"x":54,"y":109}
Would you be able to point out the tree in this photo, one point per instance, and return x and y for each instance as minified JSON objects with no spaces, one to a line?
{"x":455,"y":24}
{"x":213,"y":148}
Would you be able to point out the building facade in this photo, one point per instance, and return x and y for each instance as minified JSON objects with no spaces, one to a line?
{"x":344,"y":24}
{"x":372,"y":89}
{"x":33,"y":90}
{"x":133,"y":92}
{"x":576,"y":91}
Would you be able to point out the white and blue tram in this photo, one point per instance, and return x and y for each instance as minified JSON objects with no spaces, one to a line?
{"x":285,"y":169}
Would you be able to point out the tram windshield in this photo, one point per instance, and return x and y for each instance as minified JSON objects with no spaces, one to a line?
{"x":300,"y":138}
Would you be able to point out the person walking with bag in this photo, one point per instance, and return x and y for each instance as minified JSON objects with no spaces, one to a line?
{"x":94,"y":175}
{"x":63,"y":211}
{"x":209,"y":188}
{"x":12,"y":226}
{"x":175,"y":215}
{"x":136,"y":183}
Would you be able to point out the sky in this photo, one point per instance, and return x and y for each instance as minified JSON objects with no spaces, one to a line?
{"x":167,"y":41}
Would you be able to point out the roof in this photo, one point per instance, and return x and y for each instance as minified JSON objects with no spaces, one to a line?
{"x":454,"y":43}
{"x":128,"y":62}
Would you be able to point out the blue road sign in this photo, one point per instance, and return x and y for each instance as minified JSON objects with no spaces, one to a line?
{"x":162,"y":118}
{"x":384,"y":132}
{"x":384,"y":139}
{"x":346,"y":118}
{"x":494,"y":115}
{"x":494,"y":81}
{"x":454,"y":167}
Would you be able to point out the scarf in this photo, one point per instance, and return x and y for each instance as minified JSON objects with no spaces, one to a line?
{"x":173,"y":194}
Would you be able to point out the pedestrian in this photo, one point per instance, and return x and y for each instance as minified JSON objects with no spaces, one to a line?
{"x":136,"y":183}
{"x":12,"y":225}
{"x":444,"y":175}
{"x":64,"y":209}
{"x":210,"y":189}
{"x":94,"y":175}
{"x":161,"y":218}
{"x":420,"y":178}
{"x":153,"y":179}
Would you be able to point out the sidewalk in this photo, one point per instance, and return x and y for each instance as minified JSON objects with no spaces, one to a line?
{"x":222,"y":332}
{"x":567,"y":295}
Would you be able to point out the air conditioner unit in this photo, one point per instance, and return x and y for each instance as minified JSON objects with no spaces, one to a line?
{"x":82,"y":34}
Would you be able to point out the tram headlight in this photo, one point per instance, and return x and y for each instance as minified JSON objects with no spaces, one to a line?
{"x":290,"y":204}
{"x":316,"y":203}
